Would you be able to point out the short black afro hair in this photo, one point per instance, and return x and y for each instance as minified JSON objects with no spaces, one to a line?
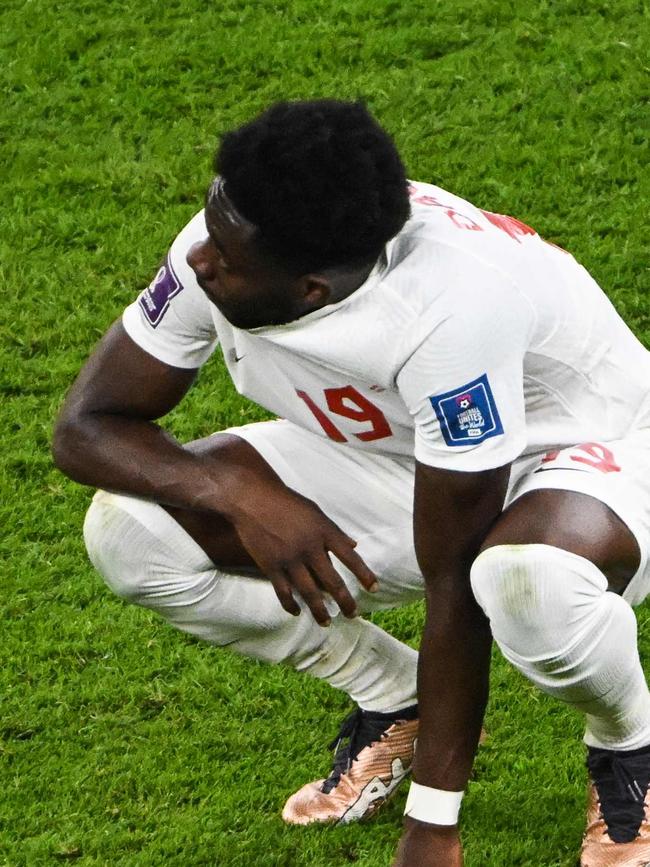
{"x":321,"y":180}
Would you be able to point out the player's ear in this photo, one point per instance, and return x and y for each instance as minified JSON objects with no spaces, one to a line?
{"x":316,"y":290}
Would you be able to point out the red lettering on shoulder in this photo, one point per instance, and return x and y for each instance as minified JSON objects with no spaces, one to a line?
{"x":510,"y":225}
{"x":461,"y":221}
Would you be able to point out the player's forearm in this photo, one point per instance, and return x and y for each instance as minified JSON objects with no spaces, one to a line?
{"x":138,"y":457}
{"x":452,"y":516}
{"x":453,"y":681}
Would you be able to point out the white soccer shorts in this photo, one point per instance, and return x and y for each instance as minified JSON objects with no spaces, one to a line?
{"x":370,"y":496}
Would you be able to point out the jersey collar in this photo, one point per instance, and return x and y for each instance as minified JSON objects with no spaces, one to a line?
{"x":373,"y":279}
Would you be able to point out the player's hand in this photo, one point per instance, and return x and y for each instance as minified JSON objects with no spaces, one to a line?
{"x":424,"y":845}
{"x":291,"y":539}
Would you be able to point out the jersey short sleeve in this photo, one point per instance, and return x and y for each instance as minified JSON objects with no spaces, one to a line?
{"x":463,"y":381}
{"x":171,"y":319}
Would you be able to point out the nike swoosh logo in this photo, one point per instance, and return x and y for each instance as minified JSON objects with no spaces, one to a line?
{"x":563,"y":469}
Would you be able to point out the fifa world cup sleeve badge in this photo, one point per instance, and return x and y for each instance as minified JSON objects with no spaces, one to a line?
{"x":154,"y":301}
{"x":468,"y":415}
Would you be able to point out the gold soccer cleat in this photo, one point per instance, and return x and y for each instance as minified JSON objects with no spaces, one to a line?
{"x":367,"y":770}
{"x":618,"y":816}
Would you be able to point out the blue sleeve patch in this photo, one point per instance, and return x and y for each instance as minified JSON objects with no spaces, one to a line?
{"x":468,"y":415}
{"x":154,"y":301}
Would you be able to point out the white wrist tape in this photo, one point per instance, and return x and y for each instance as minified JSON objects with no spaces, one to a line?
{"x":434,"y":806}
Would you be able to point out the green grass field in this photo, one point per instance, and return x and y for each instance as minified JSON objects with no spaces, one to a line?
{"x":123,"y":742}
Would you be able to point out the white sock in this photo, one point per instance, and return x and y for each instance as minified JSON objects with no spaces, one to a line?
{"x":555,"y":621}
{"x":145,"y":556}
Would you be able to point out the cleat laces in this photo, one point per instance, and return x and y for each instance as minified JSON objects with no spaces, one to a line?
{"x":360,"y":729}
{"x":621,"y":780}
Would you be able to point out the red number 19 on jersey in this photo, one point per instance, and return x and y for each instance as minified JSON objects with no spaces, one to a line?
{"x":349,"y":403}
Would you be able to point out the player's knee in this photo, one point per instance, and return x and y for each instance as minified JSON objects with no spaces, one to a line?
{"x":506,"y":584}
{"x":114,"y":545}
{"x":535,"y":595}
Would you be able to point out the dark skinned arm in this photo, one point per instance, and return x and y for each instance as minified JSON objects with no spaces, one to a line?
{"x":453,"y":513}
{"x":106,"y":436}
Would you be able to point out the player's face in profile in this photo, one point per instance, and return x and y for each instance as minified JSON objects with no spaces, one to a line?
{"x":249,"y":290}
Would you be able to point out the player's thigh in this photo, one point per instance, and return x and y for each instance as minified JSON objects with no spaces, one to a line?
{"x":368,"y":495}
{"x":592,"y":500}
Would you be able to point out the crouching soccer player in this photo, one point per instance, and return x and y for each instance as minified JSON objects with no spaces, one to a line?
{"x":464,"y":417}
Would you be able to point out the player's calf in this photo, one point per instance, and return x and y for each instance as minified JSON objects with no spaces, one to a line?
{"x":148,"y":559}
{"x":555,"y":620}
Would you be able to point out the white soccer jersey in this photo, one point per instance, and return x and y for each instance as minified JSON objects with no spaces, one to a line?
{"x":473,"y":341}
